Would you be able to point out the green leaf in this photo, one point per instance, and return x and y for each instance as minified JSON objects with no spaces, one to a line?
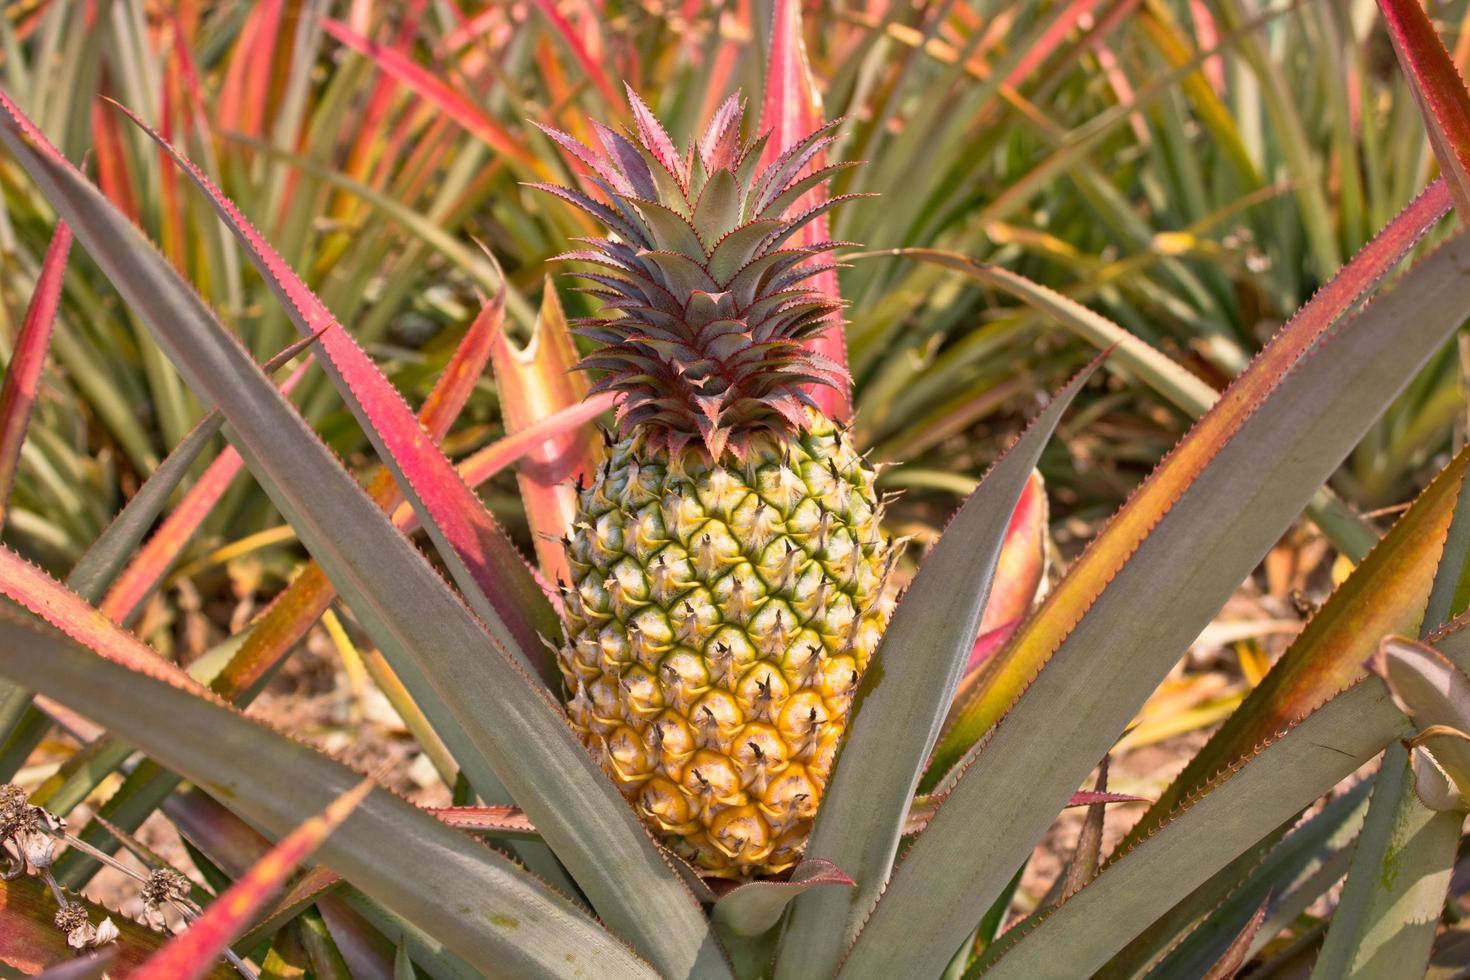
{"x":190,"y":954}
{"x":1147,"y":509}
{"x":717,"y":211}
{"x":1119,"y":641}
{"x":1132,"y":354}
{"x":1439,"y":90}
{"x":403,"y":965}
{"x":1292,"y":870}
{"x":485,"y":563}
{"x":752,"y":908}
{"x":907,"y":688}
{"x":1435,"y":695}
{"x":1241,"y":807}
{"x":436,"y":645}
{"x":1385,"y":594}
{"x":477,"y":902}
{"x":1385,"y":923}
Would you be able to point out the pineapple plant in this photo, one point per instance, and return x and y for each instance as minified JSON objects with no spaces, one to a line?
{"x":729,"y":571}
{"x":769,"y":526}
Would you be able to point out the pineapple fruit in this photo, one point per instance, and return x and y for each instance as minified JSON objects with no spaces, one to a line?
{"x":729,"y":572}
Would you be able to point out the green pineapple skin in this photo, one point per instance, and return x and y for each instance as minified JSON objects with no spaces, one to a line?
{"x":719,"y":619}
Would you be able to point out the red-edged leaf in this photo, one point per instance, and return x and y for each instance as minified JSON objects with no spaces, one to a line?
{"x":440,"y":95}
{"x":1088,"y":853}
{"x":29,"y":943}
{"x":499,"y":820}
{"x":790,"y":110}
{"x":924,"y":807}
{"x":193,"y":954}
{"x":537,"y":381}
{"x":294,"y":611}
{"x":142,"y":575}
{"x":28,"y":586}
{"x":114,"y":175}
{"x":1439,"y":90}
{"x":1091,"y":797}
{"x":1004,"y":676}
{"x":465,"y":368}
{"x":590,"y":66}
{"x":303,"y":893}
{"x":1020,"y":575}
{"x":486,"y":564}
{"x":753,"y":908}
{"x":23,"y":376}
{"x":229,"y":842}
{"x":247,"y":86}
{"x":485,"y":463}
{"x":985,"y":646}
{"x":1021,"y":569}
{"x":1235,"y":955}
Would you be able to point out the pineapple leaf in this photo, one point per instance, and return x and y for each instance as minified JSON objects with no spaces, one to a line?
{"x":277,"y":784}
{"x":132,"y":587}
{"x":1240,"y":807}
{"x":907,"y":687}
{"x":434,"y":642}
{"x":1133,"y":355}
{"x":23,"y":373}
{"x":190,"y":955}
{"x":791,"y":110}
{"x":93,"y":967}
{"x":535,"y":382}
{"x":1443,"y":99}
{"x":293,"y":612}
{"x":1385,"y":594}
{"x":1435,"y":695}
{"x":436,"y":92}
{"x":486,"y":564}
{"x":1228,"y":491}
{"x":107,"y":556}
{"x":1020,"y":573}
{"x":303,"y":894}
{"x":1195,"y":932}
{"x":1385,"y":922}
{"x":752,"y":908}
{"x":29,"y":943}
{"x":1039,"y":639}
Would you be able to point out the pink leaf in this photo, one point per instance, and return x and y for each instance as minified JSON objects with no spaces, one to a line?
{"x":568,"y":33}
{"x":1092,"y":797}
{"x":484,"y":559}
{"x":790,"y":110}
{"x":192,"y":954}
{"x":33,"y":589}
{"x":1443,"y":101}
{"x":143,"y":573}
{"x":535,"y":382}
{"x":437,"y":93}
{"x":486,"y":819}
{"x":1021,"y":570}
{"x":23,"y":376}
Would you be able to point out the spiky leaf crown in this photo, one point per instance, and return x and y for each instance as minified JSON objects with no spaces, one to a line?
{"x":705,"y":304}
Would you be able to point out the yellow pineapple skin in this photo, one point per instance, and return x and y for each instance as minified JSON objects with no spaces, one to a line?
{"x":718,"y":622}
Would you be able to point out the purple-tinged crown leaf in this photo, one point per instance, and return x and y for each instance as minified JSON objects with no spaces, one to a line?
{"x":704,"y":306}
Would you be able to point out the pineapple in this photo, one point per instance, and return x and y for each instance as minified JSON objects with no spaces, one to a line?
{"x":729,"y":572}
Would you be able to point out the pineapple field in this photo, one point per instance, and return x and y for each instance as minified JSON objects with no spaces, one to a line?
{"x":755,"y":489}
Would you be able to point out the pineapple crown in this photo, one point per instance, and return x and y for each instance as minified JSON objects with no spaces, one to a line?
{"x":705,"y":303}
